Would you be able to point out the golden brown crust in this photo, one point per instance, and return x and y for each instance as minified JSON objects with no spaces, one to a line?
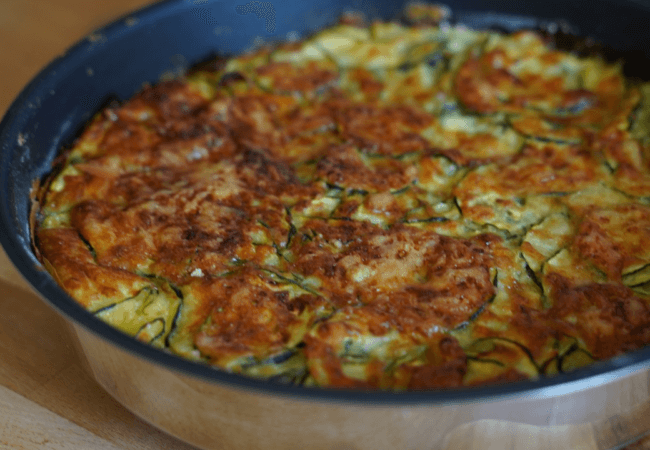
{"x":375,"y":207}
{"x":73,"y":266}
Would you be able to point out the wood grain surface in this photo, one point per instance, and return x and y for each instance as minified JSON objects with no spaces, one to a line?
{"x":47,"y":400}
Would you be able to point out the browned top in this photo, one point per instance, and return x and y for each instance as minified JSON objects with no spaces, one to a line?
{"x":376,"y":207}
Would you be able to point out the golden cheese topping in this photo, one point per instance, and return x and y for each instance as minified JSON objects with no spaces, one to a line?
{"x":379,"y":206}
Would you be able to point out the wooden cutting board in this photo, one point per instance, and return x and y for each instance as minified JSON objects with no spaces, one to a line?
{"x":47,"y":400}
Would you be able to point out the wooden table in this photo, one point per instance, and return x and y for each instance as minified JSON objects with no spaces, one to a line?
{"x":47,"y":400}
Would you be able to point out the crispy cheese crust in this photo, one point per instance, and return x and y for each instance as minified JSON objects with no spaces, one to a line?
{"x":388,"y":206}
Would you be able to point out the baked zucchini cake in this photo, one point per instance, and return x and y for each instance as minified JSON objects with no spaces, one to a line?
{"x":394,"y":205}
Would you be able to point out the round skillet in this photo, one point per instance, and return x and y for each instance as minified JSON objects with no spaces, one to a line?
{"x":166,"y":39}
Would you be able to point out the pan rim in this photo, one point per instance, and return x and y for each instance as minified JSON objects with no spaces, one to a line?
{"x":19,"y":252}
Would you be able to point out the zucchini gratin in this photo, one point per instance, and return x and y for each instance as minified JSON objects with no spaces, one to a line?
{"x":394,"y":205}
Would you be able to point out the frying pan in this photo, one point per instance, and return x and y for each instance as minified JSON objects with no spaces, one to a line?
{"x":601,"y":406}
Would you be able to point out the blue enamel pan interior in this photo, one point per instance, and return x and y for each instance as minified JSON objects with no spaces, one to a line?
{"x":168,"y":37}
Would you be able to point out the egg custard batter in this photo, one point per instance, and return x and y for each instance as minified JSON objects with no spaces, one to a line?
{"x":395,"y":205}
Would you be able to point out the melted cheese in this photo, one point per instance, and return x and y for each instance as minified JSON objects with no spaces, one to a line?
{"x":382,"y":206}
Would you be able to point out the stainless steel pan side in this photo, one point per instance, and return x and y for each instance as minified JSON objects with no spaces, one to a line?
{"x":215,"y":415}
{"x":604,"y":404}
